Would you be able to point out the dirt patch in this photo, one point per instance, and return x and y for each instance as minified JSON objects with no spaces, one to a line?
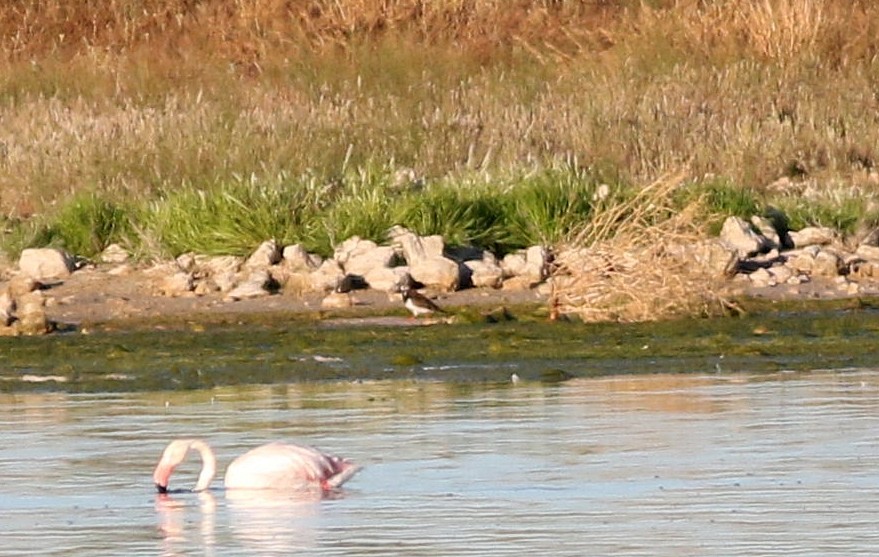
{"x":94,"y":296}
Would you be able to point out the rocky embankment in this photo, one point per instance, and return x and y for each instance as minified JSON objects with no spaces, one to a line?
{"x":48,"y":286}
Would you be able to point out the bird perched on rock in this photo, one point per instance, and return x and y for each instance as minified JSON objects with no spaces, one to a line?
{"x":419,"y":304}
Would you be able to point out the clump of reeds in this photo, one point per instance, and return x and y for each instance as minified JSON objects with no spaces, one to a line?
{"x":630,"y":261}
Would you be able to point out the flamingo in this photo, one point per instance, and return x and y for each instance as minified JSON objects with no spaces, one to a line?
{"x":278,"y":466}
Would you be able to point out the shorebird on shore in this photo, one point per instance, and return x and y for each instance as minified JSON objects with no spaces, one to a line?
{"x":419,"y":304}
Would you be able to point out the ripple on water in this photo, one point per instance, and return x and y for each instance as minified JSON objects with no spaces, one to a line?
{"x":653,"y":465}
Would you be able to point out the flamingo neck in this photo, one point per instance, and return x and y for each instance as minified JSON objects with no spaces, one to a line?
{"x":208,"y":465}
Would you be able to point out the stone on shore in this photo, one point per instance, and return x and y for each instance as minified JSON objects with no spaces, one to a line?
{"x":296,"y":259}
{"x":738,"y":235}
{"x":267,"y":254}
{"x":31,"y":315}
{"x":46,"y":263}
{"x":256,"y":285}
{"x":327,"y":276}
{"x":359,"y":257}
{"x":485,"y":272}
{"x":114,"y":253}
{"x":7,"y":309}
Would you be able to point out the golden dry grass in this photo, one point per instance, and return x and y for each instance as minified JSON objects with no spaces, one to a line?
{"x":137,"y":96}
{"x":634,"y":262}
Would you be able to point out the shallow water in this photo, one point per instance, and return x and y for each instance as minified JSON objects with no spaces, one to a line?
{"x":676,"y":465}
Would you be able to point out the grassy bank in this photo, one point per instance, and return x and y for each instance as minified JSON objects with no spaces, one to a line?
{"x":182,"y":124}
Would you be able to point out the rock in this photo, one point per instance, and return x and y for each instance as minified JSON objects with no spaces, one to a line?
{"x":267,"y":254}
{"x":296,"y":259}
{"x":485,"y":272}
{"x":205,"y":287}
{"x":813,"y":236}
{"x":427,"y":264}
{"x":219,"y":265}
{"x":762,"y":278}
{"x":224,"y":281}
{"x":533,"y":262}
{"x":712,"y":257}
{"x":20,"y":285}
{"x":358,"y":257}
{"x":868,"y":252}
{"x":388,"y":279}
{"x":782,"y":274}
{"x":256,"y":285}
{"x":187,"y":261}
{"x":513,"y":264}
{"x":114,"y":253}
{"x":518,"y":283}
{"x":327,"y":276}
{"x":32,"y":318}
{"x":46,"y":263}
{"x":416,"y":248}
{"x":536,"y":263}
{"x":870,"y":238}
{"x":440,"y":273}
{"x":827,"y":264}
{"x":738,"y":235}
{"x":7,"y":309}
{"x":767,"y":230}
{"x":177,"y":284}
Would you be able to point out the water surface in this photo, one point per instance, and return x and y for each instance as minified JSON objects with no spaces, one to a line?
{"x":659,"y":465}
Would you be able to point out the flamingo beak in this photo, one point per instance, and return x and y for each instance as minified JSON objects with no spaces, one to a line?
{"x":162,"y":488}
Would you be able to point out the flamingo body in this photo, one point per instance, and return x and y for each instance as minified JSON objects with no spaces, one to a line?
{"x":276,"y":466}
{"x":289,"y":467}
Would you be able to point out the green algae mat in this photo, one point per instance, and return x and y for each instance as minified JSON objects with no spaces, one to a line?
{"x":197,"y":357}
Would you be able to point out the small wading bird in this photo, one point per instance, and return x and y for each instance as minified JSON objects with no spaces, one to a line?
{"x":276,"y":466}
{"x":419,"y":304}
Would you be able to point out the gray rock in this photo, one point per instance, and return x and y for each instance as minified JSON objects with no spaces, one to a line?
{"x":388,"y":279}
{"x":256,"y":285}
{"x":327,"y":276}
{"x":359,"y":257}
{"x":440,"y":273}
{"x":219,"y":265}
{"x":813,"y":236}
{"x":114,"y":253}
{"x":267,"y":254}
{"x":827,"y":264}
{"x":712,"y":257}
{"x":7,"y":309}
{"x":485,"y":272}
{"x":868,"y":252}
{"x":187,"y":262}
{"x":297,"y":259}
{"x":738,"y":235}
{"x":21,"y":285}
{"x":177,"y":284}
{"x":762,"y":278}
{"x":46,"y":263}
{"x":767,"y":230}
{"x":536,"y":263}
{"x":31,"y":315}
{"x":416,"y":248}
{"x":513,"y":264}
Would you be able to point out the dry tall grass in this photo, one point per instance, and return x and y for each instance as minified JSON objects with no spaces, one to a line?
{"x":137,"y":96}
{"x":631,"y":262}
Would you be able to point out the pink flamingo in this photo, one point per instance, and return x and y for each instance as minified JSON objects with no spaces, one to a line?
{"x":278,"y":466}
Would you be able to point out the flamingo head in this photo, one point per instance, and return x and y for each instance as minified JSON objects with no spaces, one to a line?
{"x":174,"y":454}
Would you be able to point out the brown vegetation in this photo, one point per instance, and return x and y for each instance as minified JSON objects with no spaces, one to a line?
{"x":636,"y":266}
{"x":135,"y":98}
